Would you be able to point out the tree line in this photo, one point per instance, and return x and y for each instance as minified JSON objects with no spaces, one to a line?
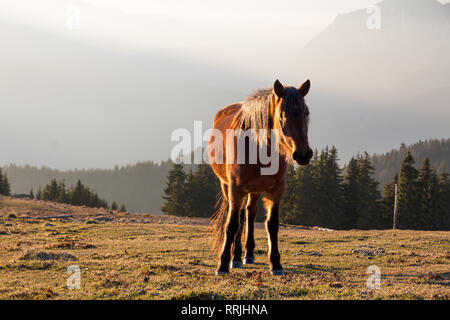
{"x":388,"y":164}
{"x":423,"y":196}
{"x":191,"y":194}
{"x":139,"y":186}
{"x":324,"y":194}
{"x":78,"y":195}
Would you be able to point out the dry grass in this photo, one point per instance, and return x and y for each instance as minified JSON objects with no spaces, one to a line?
{"x":127,"y":256}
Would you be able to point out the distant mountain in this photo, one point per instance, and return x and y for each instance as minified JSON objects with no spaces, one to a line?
{"x":388,"y":164}
{"x":405,"y":58}
{"x":373,"y":89}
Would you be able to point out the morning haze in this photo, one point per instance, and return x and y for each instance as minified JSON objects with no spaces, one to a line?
{"x":111,"y":90}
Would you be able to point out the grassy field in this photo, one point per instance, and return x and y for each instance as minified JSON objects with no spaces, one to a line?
{"x":130,"y":256}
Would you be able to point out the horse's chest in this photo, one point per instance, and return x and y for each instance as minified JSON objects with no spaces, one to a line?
{"x":250,"y":180}
{"x":261,"y":184}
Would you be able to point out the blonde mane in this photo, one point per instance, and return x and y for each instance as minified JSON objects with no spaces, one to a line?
{"x":255,"y":113}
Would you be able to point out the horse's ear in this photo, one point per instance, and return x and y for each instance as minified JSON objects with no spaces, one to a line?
{"x":304,"y":88}
{"x":278,"y":88}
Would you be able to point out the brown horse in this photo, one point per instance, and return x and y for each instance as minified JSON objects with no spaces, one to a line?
{"x":279,"y":109}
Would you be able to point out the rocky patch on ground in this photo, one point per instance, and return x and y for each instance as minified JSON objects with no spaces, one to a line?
{"x":44,"y":256}
{"x":369,"y":251}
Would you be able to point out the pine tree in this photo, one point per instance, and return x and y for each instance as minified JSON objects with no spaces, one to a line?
{"x":5,"y":188}
{"x":202,"y":193}
{"x":306,"y":201}
{"x":443,"y":206}
{"x":428,"y":192}
{"x":123,"y":209}
{"x":408,"y":195}
{"x":51,"y":191}
{"x":63,"y":196}
{"x":78,"y":195}
{"x":328,"y":182}
{"x":368,"y":200}
{"x":288,"y":208}
{"x":175,"y":191}
{"x":351,"y":194}
{"x":114,"y":206}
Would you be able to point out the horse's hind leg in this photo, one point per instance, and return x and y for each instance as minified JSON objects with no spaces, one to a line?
{"x":272,"y":202}
{"x":251,"y":209}
{"x":235,"y":198}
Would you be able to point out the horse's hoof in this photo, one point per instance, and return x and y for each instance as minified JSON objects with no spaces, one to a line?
{"x":249,"y":261}
{"x":236,"y":264}
{"x":222,"y":273}
{"x":278,"y":272}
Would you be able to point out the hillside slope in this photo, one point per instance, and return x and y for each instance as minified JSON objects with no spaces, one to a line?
{"x":126,"y":256}
{"x":139,"y":186}
{"x":388,"y":164}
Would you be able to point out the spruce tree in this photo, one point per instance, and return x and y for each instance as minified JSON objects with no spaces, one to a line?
{"x":5,"y":188}
{"x":443,"y":207}
{"x":204,"y":187}
{"x":114,"y":206}
{"x":328,"y":182}
{"x":51,"y":191}
{"x":408,"y":195}
{"x":306,"y":200}
{"x":368,"y":200}
{"x":350,"y":189}
{"x":190,"y":189}
{"x":288,"y":208}
{"x":175,"y":191}
{"x":428,"y":192}
{"x":78,"y":195}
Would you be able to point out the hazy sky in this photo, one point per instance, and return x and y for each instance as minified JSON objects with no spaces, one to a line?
{"x":211,"y":31}
{"x":230,"y":41}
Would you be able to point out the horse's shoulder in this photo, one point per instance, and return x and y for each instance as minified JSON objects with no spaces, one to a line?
{"x":227,"y":111}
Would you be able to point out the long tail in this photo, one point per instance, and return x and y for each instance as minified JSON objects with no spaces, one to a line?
{"x":218,"y":222}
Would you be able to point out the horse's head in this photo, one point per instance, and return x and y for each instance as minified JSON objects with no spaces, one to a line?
{"x":292,"y":114}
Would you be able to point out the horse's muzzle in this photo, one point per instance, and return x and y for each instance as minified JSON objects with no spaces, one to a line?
{"x":301,"y":159}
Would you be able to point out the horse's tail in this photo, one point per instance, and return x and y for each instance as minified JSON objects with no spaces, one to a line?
{"x":218,"y":222}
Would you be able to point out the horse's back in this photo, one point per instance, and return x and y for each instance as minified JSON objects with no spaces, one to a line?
{"x":227,"y":114}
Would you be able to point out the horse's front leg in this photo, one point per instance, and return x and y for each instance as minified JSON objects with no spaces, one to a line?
{"x":273,"y":201}
{"x":235,"y":198}
{"x":251,"y":209}
{"x":237,"y":245}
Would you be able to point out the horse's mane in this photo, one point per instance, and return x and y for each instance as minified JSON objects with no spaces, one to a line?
{"x":254,"y":113}
{"x":255,"y":110}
